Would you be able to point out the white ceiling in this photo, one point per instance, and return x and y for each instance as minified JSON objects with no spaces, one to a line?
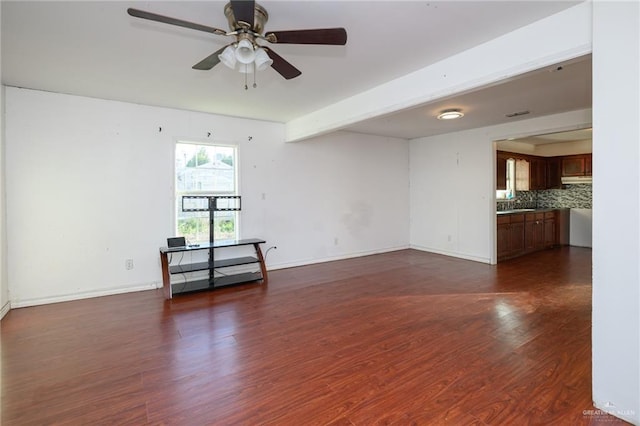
{"x":560,"y":137}
{"x":93,"y":48}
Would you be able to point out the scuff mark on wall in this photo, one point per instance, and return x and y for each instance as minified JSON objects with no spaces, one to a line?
{"x":358,"y":219}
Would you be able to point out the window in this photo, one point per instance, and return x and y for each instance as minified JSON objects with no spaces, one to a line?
{"x":205,"y":170}
{"x":510,"y":191}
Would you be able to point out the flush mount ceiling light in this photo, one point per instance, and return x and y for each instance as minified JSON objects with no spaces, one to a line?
{"x":450,"y":114}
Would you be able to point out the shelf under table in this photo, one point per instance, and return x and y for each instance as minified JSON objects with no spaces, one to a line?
{"x":205,"y":284}
{"x":203,"y":266}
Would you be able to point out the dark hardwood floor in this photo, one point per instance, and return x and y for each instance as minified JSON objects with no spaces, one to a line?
{"x":400,"y":338}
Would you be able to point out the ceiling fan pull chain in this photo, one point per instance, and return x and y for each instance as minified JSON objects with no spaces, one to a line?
{"x":245,"y":80}
{"x":254,"y":75}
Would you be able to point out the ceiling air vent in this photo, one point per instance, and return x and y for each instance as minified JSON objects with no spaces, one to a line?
{"x":516,"y":114}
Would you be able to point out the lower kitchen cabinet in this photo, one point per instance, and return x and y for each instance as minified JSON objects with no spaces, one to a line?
{"x":522,"y":233}
{"x":550,"y":230}
{"x":511,"y":242}
{"x":534,"y":232}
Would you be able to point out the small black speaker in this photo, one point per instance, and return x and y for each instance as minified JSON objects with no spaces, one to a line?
{"x":176,"y":242}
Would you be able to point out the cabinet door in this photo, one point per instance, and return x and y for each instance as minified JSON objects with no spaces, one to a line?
{"x":534,"y":231}
{"x":538,"y":174}
{"x":523,"y":177}
{"x":501,"y":172}
{"x":554,"y":173}
{"x":517,"y":238}
{"x":550,"y":233}
{"x":504,"y":246}
{"x":573,"y":166}
{"x":587,"y":164}
{"x":529,"y":238}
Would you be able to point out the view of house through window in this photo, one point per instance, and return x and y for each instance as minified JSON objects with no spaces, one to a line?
{"x":205,"y":170}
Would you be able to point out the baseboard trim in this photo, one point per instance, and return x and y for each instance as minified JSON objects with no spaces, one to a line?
{"x":5,"y":309}
{"x":273,"y":267}
{"x":154,"y":285}
{"x":86,"y":295}
{"x":451,"y":254}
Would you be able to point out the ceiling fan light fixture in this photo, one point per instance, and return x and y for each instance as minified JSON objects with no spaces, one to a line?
{"x":262,"y":60}
{"x":245,"y":54}
{"x":450,"y":114}
{"x":246,"y":68}
{"x":228,"y":57}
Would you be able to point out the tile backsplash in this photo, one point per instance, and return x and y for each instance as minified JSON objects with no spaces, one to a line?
{"x":572,"y":196}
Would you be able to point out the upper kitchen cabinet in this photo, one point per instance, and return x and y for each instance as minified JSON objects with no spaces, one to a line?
{"x":532,"y":172}
{"x":501,"y":171}
{"x":538,"y":173}
{"x":554,"y":173}
{"x":576,"y":165}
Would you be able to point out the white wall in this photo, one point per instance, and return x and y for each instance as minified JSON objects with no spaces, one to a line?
{"x":5,"y":305}
{"x":452,"y":185}
{"x":616,"y":214}
{"x":4,"y":284}
{"x":90,"y":184}
{"x":335,"y":196}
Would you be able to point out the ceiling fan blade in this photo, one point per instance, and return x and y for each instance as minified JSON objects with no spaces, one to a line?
{"x":173,"y":21}
{"x":331,"y":36}
{"x":210,"y":61}
{"x":283,"y":67}
{"x":244,"y":11}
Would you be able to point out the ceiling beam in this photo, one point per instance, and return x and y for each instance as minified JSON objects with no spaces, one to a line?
{"x":560,"y":37}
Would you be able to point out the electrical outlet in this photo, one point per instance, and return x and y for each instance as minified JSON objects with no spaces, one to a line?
{"x":128,"y":264}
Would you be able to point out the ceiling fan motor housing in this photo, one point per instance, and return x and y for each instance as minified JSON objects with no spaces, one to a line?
{"x":260,"y":18}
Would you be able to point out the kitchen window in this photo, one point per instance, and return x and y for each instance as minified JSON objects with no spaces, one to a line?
{"x":510,"y":191}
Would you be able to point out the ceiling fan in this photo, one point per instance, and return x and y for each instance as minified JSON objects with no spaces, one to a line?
{"x":246,"y":22}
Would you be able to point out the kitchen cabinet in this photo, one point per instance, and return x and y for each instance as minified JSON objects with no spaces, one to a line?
{"x":563,"y":224}
{"x":510,"y":236}
{"x":550,"y":234}
{"x":534,"y":232}
{"x":501,"y":171}
{"x":587,"y":165}
{"x":554,"y":173}
{"x":576,"y":165}
{"x":537,"y":173}
{"x":522,"y":233}
{"x":543,"y":172}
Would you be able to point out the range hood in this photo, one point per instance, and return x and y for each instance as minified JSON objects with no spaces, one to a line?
{"x":572,"y":180}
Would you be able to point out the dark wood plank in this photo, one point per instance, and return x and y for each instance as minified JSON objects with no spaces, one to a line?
{"x":400,"y":338}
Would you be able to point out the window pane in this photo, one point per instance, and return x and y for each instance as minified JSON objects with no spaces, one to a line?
{"x":205,"y":168}
{"x":194,"y":226}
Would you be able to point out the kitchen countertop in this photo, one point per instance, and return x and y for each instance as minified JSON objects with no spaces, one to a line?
{"x":517,"y":211}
